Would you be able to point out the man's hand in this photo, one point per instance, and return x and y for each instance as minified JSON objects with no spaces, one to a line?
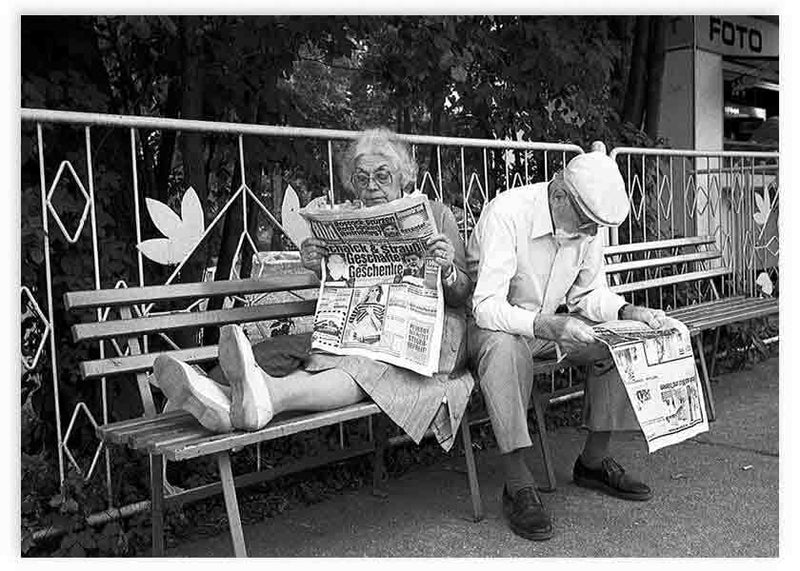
{"x":312,"y":252}
{"x":569,"y":333}
{"x":652,"y":317}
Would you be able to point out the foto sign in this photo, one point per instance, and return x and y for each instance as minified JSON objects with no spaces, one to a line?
{"x":737,"y":36}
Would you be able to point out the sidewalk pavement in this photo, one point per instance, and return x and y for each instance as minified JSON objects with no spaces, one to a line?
{"x":714,"y":496}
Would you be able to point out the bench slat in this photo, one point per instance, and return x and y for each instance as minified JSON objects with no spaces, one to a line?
{"x":139,"y":363}
{"x":159,"y":323}
{"x":740,"y":314}
{"x":178,"y":435}
{"x":89,"y":299}
{"x":700,"y":308}
{"x":276,"y":429}
{"x":116,"y":431}
{"x":669,"y":280}
{"x":720,"y":307}
{"x":138,"y":438}
{"x":169,"y":442}
{"x":188,"y":429}
{"x":657,"y":245}
{"x":656,"y":262}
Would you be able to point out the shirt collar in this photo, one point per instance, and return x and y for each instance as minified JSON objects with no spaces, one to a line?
{"x":541,"y":220}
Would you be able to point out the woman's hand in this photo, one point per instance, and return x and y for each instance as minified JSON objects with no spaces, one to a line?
{"x":312,"y":252}
{"x":443,"y":253}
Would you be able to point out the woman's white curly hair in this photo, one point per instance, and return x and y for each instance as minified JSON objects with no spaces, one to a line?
{"x":380,"y":141}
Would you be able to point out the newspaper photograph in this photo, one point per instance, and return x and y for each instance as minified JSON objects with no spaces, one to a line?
{"x":658,"y":370}
{"x":380,"y":297}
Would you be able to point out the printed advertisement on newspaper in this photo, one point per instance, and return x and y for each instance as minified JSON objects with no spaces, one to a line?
{"x":380,"y":297}
{"x":658,"y":370}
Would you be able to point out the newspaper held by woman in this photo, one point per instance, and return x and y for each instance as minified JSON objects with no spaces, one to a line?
{"x":380,"y":296}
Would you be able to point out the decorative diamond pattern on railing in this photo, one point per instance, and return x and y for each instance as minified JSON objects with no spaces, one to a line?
{"x":71,"y":238}
{"x":87,"y":414}
{"x":700,"y":200}
{"x":475,"y":182}
{"x":665,"y":190}
{"x":689,"y":195}
{"x":713,"y":195}
{"x":749,"y":249}
{"x":636,"y":197}
{"x":427,"y":180}
{"x":473,"y":203}
{"x":34,"y":325}
{"x":738,"y":187}
{"x":772,"y":246}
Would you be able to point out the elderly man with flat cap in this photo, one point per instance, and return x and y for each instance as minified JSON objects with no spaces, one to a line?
{"x":535,"y":249}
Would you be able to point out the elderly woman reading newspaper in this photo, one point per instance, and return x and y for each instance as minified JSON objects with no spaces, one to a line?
{"x":377,"y":168}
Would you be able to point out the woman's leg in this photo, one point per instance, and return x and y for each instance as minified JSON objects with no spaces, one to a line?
{"x":325,"y":390}
{"x":256,"y":396}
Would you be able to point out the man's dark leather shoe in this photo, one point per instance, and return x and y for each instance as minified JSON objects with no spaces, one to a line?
{"x":611,"y":479}
{"x":526,"y":514}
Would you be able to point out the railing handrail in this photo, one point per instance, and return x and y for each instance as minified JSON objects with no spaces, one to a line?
{"x":142,"y":122}
{"x":693,"y":153}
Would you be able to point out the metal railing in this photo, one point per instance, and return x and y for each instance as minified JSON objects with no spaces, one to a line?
{"x":730,"y":195}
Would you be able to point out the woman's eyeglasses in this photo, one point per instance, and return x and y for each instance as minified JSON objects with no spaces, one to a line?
{"x":361,"y":179}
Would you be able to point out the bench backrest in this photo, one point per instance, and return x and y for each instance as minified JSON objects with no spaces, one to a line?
{"x":630,"y":269}
{"x":139,"y":320}
{"x":647,"y":267}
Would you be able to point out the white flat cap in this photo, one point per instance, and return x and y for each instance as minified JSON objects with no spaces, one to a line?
{"x":597,"y":186}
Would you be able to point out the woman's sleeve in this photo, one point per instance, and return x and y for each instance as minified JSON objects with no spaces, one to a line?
{"x":457,"y":292}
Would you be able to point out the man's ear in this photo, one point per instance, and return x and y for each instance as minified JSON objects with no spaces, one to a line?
{"x":558,"y":194}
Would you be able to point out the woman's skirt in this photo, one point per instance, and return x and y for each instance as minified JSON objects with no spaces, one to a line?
{"x":414,"y":402}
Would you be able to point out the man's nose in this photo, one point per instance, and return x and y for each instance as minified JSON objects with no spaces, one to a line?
{"x":373,"y":184}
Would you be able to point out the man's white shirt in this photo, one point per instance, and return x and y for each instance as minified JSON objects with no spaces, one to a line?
{"x":510,"y":256}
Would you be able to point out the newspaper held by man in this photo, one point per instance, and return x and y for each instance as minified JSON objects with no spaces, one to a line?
{"x":658,"y":370}
{"x":380,"y":296}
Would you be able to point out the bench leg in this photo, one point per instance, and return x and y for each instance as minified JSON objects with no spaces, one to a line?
{"x":698,"y":341}
{"x":472,"y":471}
{"x":157,"y":503}
{"x":538,"y":412}
{"x":231,"y":505}
{"x":381,"y":441}
{"x":713,"y":368}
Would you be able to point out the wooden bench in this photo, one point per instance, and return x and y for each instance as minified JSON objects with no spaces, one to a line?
{"x":678,"y":264}
{"x":177,"y":436}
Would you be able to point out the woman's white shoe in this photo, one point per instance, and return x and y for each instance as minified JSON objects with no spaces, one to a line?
{"x":251,"y":403}
{"x":188,"y":390}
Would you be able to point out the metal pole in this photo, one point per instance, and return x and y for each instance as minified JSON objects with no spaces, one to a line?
{"x":95,"y":256}
{"x":49,"y":276}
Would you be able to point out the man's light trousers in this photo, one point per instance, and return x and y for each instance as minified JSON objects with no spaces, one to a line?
{"x":503,"y":364}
